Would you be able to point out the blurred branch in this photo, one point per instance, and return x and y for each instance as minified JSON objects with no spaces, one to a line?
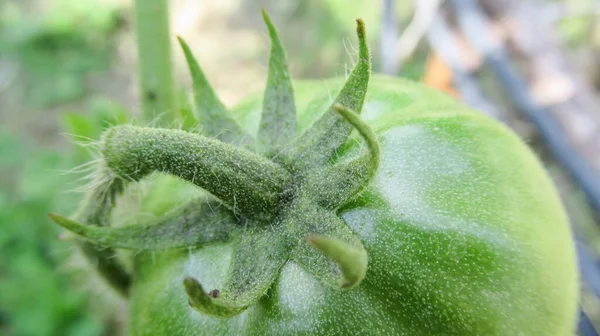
{"x":389,"y":37}
{"x":394,"y":51}
{"x":444,"y":43}
{"x":563,"y":140}
{"x":425,"y":13}
{"x":589,"y":268}
{"x":586,"y":328}
{"x":555,"y":84}
{"x":591,"y":277}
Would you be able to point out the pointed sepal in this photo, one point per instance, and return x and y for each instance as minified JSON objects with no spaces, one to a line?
{"x":193,"y":225}
{"x":257,"y":258}
{"x":318,"y":143}
{"x":278,"y":122}
{"x":215,"y":121}
{"x":331,"y":251}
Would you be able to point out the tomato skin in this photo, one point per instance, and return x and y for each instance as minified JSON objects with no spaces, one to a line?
{"x":464,"y":231}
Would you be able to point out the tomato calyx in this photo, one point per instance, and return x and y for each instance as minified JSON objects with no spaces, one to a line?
{"x":274,"y":198}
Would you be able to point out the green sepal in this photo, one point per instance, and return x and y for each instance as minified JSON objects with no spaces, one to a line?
{"x":249,"y":184}
{"x":316,"y":145}
{"x":95,"y":209}
{"x":352,"y":260}
{"x":215,"y":120}
{"x":202,"y":301}
{"x":339,"y":259}
{"x":278,"y":120}
{"x":258,"y":257}
{"x":336,"y":184}
{"x":192,"y":225}
{"x":274,"y":211}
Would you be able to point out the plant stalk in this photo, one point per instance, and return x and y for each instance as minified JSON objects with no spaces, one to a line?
{"x":156,"y":76}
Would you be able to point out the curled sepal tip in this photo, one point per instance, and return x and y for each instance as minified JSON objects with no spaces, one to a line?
{"x":351,"y":260}
{"x":342,"y":181}
{"x":205,"y":302}
{"x":365,"y":131}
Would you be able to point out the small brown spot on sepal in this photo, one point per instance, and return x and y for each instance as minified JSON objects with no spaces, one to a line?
{"x":214,"y":293}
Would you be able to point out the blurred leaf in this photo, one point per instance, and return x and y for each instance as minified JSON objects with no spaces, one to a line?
{"x":58,"y":48}
{"x":37,"y":296}
{"x":79,"y":126}
{"x":11,"y":149}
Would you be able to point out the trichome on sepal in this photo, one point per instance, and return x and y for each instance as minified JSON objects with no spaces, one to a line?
{"x":280,"y":188}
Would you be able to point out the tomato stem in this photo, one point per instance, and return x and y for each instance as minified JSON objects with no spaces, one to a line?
{"x":247,"y":183}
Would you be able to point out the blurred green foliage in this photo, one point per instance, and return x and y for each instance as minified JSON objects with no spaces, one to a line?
{"x":40,"y":294}
{"x":39,"y":291}
{"x":37,"y":296}
{"x":58,"y":47}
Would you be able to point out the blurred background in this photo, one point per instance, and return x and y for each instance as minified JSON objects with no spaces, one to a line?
{"x":68,"y":64}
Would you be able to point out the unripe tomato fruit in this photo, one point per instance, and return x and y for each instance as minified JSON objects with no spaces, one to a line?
{"x":464,"y":231}
{"x":452,"y":217}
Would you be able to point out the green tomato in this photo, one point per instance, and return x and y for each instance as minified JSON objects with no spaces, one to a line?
{"x":464,"y":232}
{"x":447,"y":224}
